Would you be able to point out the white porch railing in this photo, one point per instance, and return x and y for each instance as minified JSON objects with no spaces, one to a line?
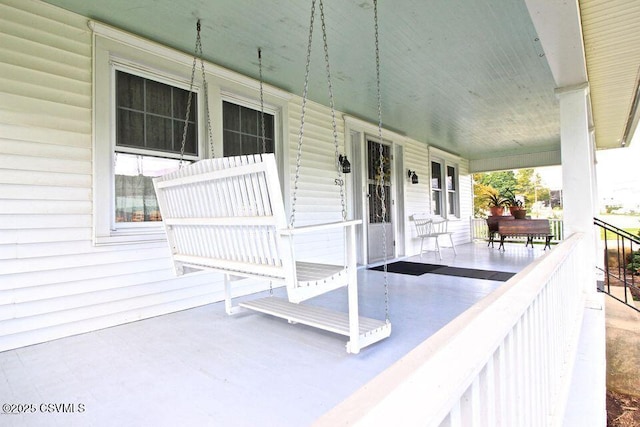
{"x":479,"y":230}
{"x":507,"y":361}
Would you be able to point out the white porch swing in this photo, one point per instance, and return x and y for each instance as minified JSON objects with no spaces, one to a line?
{"x":227,"y":215}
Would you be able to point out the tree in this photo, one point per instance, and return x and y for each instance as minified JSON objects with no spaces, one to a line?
{"x":530,"y":186}
{"x":488,"y":182}
{"x":501,"y":181}
{"x":480,"y":192}
{"x":523,"y":182}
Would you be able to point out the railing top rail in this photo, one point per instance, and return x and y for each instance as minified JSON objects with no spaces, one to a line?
{"x":619,"y":231}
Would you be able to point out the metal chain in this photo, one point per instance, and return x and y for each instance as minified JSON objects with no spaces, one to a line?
{"x":264,"y":141}
{"x":264,"y":144}
{"x":381,"y":166}
{"x":197,"y":52}
{"x":340,"y":180}
{"x":186,"y":119}
{"x":205,"y":88}
{"x":301,"y":132}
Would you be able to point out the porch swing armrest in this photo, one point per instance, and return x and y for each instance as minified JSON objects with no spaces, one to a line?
{"x":318,"y":227}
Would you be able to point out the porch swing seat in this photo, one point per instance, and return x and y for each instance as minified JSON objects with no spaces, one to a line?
{"x":227,"y":215}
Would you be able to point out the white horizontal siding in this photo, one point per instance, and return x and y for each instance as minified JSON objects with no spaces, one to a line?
{"x":53,"y":281}
{"x":45,"y":207}
{"x":40,"y":149}
{"x":34,"y":222}
{"x":43,"y":135}
{"x":461,"y":228}
{"x":48,"y":26}
{"x":41,"y":192}
{"x":64,"y":90}
{"x":21,"y":315}
{"x":26,"y":236}
{"x":51,"y":256}
{"x":417,"y":196}
{"x":47,"y":327}
{"x":318,"y":196}
{"x":30,"y":177}
{"x":47,"y":114}
{"x":83,"y":274}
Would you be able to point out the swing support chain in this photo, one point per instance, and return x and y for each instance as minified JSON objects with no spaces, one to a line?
{"x":333,"y":111}
{"x":264,"y":144}
{"x":305,"y":91}
{"x":264,"y":140}
{"x":197,"y":54}
{"x":339,"y":181}
{"x":380,"y":182}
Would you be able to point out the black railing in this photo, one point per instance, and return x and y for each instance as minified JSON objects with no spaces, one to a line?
{"x":621,"y":263}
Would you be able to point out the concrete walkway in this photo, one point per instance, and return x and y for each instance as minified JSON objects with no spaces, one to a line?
{"x":623,"y":345}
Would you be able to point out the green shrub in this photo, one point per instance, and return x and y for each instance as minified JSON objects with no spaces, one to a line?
{"x":633,"y":263}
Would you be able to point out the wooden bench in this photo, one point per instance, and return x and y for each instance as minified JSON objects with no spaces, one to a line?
{"x":530,"y":228}
{"x":492,"y":225}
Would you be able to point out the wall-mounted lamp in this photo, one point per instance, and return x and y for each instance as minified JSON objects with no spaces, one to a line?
{"x":344,"y":164}
{"x":412,"y":175}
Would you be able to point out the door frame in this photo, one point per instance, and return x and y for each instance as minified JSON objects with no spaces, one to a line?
{"x":357,"y":133}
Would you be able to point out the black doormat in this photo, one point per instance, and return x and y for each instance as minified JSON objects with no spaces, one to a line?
{"x":405,"y":267}
{"x":500,"y":276}
{"x":418,"y":269}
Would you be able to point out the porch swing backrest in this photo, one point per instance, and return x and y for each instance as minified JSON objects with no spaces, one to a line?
{"x":227,"y":214}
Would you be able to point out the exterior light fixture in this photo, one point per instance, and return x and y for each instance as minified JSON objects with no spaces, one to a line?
{"x":344,"y":164}
{"x":412,"y":175}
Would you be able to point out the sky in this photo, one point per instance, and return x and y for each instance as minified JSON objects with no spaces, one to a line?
{"x":617,"y":168}
{"x":618,"y":174}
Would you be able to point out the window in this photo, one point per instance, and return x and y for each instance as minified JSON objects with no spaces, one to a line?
{"x":436,"y":188}
{"x":150,"y":120}
{"x":452,"y":195}
{"x":447,"y":174}
{"x":242,"y":130}
{"x":150,"y":115}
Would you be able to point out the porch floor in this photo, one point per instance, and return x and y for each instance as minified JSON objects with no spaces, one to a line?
{"x":202,"y":367}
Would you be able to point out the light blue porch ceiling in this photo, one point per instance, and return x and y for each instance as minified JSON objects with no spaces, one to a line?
{"x":467,"y":76}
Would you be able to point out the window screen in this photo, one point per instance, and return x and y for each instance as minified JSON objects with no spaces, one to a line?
{"x":150,"y":115}
{"x":242,"y":130}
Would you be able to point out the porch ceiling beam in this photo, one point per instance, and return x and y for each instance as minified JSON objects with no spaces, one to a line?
{"x":559,"y":28}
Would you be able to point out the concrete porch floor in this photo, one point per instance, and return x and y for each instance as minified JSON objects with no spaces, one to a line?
{"x":201,"y":367}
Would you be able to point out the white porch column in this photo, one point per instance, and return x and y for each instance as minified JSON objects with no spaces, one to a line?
{"x":579,"y":190}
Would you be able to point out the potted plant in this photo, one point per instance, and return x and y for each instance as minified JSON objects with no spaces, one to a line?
{"x":495,"y":202}
{"x":516,"y":206}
